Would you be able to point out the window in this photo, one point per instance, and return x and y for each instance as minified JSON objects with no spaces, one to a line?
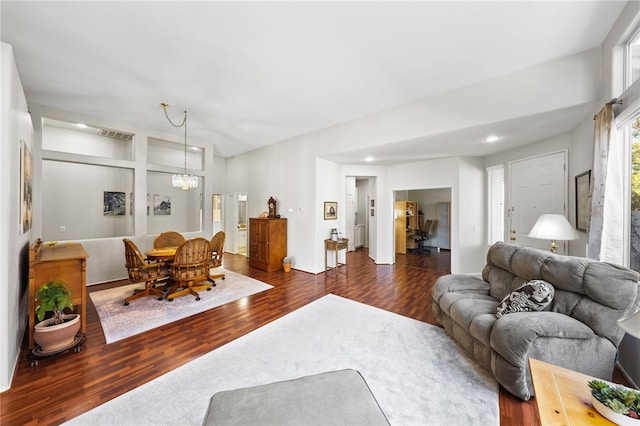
{"x":495,"y":204}
{"x":632,"y":59}
{"x":634,"y":252}
{"x":88,"y":140}
{"x":87,"y":182}
{"x":172,"y":208}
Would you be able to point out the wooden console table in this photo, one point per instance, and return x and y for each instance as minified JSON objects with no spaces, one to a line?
{"x":63,"y":261}
{"x":338,"y":245}
{"x":563,"y":396}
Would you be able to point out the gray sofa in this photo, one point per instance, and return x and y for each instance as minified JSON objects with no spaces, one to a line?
{"x":577,"y":330}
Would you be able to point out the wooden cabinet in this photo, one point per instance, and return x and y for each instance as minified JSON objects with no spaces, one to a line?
{"x":406,"y":224}
{"x":66,"y":262}
{"x":267,"y":243}
{"x":444,"y":226}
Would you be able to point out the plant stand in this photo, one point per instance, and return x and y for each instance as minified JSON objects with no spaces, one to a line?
{"x":36,"y":354}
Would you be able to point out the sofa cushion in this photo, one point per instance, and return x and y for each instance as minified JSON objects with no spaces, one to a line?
{"x":534,"y":295}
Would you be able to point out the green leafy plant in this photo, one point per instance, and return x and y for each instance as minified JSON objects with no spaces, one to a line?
{"x":620,"y":399}
{"x":53,"y":297}
{"x":287,"y":260}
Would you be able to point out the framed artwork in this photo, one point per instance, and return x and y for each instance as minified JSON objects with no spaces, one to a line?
{"x":26,"y":165}
{"x":161,"y":205}
{"x":114,"y":203}
{"x":330,"y":210}
{"x":583,"y":187}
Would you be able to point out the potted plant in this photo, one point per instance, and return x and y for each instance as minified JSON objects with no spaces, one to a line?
{"x":286,"y":263}
{"x":59,"y":331}
{"x":617,"y":403}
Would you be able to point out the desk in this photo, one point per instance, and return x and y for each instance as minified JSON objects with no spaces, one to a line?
{"x":163,"y":254}
{"x":563,"y":396}
{"x":66,"y":262}
{"x":336,"y":246}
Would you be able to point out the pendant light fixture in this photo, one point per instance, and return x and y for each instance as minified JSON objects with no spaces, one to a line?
{"x":182,"y":180}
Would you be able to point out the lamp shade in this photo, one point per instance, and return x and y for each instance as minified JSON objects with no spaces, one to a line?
{"x":553,"y":227}
{"x":631,"y":325}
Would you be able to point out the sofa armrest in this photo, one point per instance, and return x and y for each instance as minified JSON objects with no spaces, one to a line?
{"x":459,"y":283}
{"x":514,"y":334}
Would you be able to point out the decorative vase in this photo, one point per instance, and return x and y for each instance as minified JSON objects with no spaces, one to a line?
{"x":286,"y":267}
{"x":52,"y":338}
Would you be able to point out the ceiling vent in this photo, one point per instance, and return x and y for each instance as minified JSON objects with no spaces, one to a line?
{"x":115,"y":135}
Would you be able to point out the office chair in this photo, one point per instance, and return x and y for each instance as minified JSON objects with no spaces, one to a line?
{"x":423,"y":235}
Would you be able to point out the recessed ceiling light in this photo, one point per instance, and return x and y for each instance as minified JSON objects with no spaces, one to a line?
{"x":491,"y":139}
{"x":368,"y":159}
{"x":82,"y":125}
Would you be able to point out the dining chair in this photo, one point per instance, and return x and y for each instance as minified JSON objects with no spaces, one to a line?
{"x":168,"y":239}
{"x":190,"y":268}
{"x":217,"y":250}
{"x":141,"y":269}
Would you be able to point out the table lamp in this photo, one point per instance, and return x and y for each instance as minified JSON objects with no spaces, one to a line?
{"x":631,"y":325}
{"x":553,"y":227}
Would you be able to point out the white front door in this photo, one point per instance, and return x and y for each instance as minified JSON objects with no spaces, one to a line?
{"x":537,"y":185}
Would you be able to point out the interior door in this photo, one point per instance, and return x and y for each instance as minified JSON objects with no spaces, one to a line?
{"x":350,"y":225}
{"x":537,"y":185}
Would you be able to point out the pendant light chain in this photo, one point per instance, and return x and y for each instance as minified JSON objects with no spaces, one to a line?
{"x":183,"y":181}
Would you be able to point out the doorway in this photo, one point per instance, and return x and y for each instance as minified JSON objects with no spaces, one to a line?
{"x":413,"y":208}
{"x":236,"y":211}
{"x":360,"y":213}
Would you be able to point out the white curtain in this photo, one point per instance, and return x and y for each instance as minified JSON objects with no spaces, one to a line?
{"x":607,"y":196}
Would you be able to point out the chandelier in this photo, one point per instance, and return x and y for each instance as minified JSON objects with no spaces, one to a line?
{"x":182,"y":180}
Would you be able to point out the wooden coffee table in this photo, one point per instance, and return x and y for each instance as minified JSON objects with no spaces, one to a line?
{"x":563,"y":396}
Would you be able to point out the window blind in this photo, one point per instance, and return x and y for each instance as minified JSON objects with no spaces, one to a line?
{"x":495,"y":204}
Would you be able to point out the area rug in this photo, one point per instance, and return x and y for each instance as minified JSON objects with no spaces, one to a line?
{"x":417,"y":373}
{"x":119,"y":321}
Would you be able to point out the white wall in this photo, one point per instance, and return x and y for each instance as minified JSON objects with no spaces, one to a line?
{"x":15,"y":125}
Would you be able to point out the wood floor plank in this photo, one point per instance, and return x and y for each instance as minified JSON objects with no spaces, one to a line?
{"x":59,"y":389}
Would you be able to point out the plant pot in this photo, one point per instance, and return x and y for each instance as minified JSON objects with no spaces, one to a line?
{"x":52,"y":338}
{"x":617,"y":418}
{"x":286,"y":267}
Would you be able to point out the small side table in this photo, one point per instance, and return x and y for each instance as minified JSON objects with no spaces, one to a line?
{"x":336,"y":246}
{"x":563,"y":396}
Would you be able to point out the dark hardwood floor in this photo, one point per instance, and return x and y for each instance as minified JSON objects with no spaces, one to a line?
{"x":62,"y":388}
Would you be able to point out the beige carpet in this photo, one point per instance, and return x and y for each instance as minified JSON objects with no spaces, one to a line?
{"x":417,"y":373}
{"x":119,"y":321}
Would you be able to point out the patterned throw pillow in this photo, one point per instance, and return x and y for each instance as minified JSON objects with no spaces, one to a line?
{"x":533,"y":295}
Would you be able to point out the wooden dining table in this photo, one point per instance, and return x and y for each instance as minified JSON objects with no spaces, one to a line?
{"x":161,"y":254}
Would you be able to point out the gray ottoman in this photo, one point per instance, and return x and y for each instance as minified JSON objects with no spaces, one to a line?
{"x":332,"y":398}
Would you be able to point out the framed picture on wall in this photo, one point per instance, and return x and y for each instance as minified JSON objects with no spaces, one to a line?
{"x":583,"y":187}
{"x":114,"y":203}
{"x":161,"y":205}
{"x":330,"y":210}
{"x":25,"y":186}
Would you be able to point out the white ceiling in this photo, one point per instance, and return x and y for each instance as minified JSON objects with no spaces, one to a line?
{"x":257,"y":73}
